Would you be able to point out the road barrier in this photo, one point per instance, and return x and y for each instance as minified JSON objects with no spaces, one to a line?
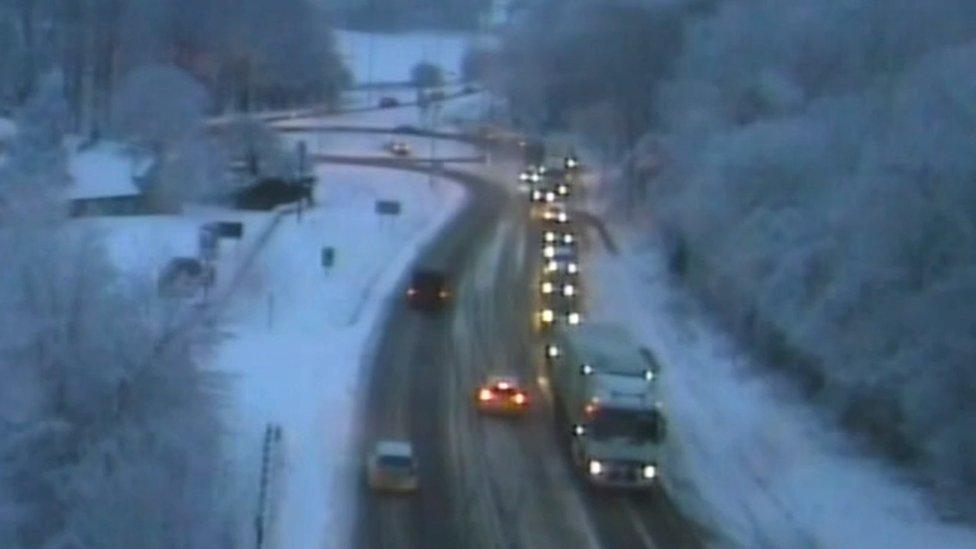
{"x":271,"y":460}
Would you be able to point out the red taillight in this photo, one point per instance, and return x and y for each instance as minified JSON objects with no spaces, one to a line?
{"x":485,"y":394}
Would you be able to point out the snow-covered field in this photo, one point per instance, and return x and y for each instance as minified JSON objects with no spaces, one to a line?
{"x":748,"y":460}
{"x":298,"y":334}
{"x":389,"y":57}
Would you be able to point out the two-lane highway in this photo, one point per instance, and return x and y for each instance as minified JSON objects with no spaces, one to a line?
{"x":485,"y":482}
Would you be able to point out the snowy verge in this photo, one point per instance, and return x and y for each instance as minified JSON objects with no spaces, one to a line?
{"x":749,"y":459}
{"x":296,"y":337}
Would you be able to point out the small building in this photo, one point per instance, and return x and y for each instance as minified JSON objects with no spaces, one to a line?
{"x":109,"y":179}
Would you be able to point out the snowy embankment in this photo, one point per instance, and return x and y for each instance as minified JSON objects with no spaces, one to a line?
{"x":297,"y":335}
{"x":750,"y":461}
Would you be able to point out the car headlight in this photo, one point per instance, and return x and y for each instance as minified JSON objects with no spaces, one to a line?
{"x":524,"y":176}
{"x":552,"y":267}
{"x":568,"y":238}
{"x":548,"y":316}
{"x":596,"y":467}
{"x":649,"y":472}
{"x":536,"y":195}
{"x":535,"y":178}
{"x":562,"y":217}
{"x":550,"y":196}
{"x":569,"y":290}
{"x":572,"y":268}
{"x":552,"y":351}
{"x":548,"y":252}
{"x":547,"y":287}
{"x":573,"y":318}
{"x":562,"y":189}
{"x":549,"y":236}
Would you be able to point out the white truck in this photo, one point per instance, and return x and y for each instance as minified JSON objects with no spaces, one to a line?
{"x":607,"y":394}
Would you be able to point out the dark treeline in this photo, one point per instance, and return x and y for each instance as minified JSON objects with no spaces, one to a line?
{"x":247,"y":53}
{"x":811,"y":165}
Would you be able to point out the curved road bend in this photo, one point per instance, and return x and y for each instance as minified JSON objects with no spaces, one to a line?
{"x":484,"y":482}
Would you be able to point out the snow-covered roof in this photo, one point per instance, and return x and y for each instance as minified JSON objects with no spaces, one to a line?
{"x":101,"y":171}
{"x":397,"y":448}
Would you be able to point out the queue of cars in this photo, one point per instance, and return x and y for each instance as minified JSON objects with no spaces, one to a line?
{"x":605,"y":389}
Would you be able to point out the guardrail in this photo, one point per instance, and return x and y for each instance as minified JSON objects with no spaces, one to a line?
{"x":271,"y":460}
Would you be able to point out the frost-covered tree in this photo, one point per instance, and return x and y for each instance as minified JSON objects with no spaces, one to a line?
{"x":158,"y":105}
{"x":814,"y":165}
{"x":426,"y":75}
{"x":261,"y":150}
{"x":109,"y":434}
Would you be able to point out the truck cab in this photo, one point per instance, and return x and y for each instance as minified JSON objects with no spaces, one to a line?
{"x":617,"y":438}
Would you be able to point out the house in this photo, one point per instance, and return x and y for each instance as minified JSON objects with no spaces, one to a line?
{"x":110,"y":179}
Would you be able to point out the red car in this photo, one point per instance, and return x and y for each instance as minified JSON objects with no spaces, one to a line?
{"x":501,"y":395}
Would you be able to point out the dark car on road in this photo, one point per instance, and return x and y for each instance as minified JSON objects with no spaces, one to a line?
{"x":389,"y":102}
{"x":428,"y":290}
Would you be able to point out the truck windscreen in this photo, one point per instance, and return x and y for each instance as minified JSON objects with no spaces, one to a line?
{"x":637,"y":426}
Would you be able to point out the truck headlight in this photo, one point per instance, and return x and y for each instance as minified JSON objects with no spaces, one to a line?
{"x":595,"y":467}
{"x":649,"y":472}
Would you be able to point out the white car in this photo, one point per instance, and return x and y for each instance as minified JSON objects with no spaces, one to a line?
{"x":391,"y":467}
{"x":399,"y":148}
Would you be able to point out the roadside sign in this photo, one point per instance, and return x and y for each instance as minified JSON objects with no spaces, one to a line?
{"x":388,"y":207}
{"x":230,"y":229}
{"x":328,"y":256}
